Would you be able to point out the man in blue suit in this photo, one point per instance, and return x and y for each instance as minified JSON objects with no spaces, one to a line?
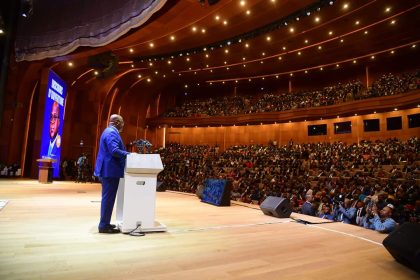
{"x":109,"y":167}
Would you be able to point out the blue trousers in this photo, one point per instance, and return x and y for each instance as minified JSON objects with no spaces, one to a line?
{"x":109,"y":193}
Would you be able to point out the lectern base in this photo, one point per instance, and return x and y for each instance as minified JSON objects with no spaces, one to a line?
{"x":158,"y":227}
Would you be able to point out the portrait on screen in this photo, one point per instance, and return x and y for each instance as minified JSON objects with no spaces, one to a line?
{"x":52,"y":131}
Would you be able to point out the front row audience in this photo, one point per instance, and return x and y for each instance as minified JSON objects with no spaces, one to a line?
{"x":353,"y":184}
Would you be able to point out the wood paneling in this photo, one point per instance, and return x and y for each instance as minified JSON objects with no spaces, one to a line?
{"x":297,"y":131}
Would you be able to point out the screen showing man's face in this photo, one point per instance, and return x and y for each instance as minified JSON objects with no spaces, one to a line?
{"x":54,"y":120}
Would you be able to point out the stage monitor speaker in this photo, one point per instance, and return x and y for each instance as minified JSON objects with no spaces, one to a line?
{"x":404,"y":245}
{"x":216,"y":192}
{"x":276,"y":206}
{"x":160,"y":186}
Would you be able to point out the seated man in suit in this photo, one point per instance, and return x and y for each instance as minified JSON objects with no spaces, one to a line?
{"x":307,"y":207}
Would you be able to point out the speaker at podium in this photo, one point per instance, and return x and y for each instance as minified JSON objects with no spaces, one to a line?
{"x":136,"y":197}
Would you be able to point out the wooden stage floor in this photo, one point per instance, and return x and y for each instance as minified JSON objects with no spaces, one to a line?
{"x":50,"y":232}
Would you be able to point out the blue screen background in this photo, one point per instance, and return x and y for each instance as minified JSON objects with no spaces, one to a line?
{"x":51,"y":148}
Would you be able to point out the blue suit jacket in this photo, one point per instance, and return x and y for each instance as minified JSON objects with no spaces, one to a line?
{"x":110,"y":161}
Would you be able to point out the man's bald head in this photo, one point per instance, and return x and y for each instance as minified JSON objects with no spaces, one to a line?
{"x":116,"y":121}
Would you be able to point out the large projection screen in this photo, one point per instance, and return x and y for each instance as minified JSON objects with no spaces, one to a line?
{"x":52,"y":130}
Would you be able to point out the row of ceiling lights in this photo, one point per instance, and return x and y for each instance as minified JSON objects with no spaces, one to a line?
{"x":276,"y":75}
{"x":218,"y":18}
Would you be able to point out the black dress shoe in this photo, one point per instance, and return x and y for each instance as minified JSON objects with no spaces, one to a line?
{"x":112,"y":226}
{"x":109,"y":230}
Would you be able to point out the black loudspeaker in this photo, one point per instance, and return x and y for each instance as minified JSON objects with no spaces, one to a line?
{"x":276,"y":206}
{"x":404,"y":245}
{"x":160,"y":186}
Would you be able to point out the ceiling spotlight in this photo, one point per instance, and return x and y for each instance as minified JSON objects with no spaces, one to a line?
{"x":246,"y":45}
{"x":203,"y":30}
{"x":372,"y":57}
{"x":96,"y":73}
{"x":393,"y":21}
{"x":345,"y":6}
{"x":357,"y":22}
{"x":225,"y":22}
{"x":387,"y":9}
{"x":151,"y":45}
{"x":70,"y":64}
{"x":248,"y":12}
{"x":131,"y":50}
{"x":317,"y":19}
{"x":268,"y":38}
{"x":139,"y":76}
{"x":292,"y":29}
{"x":172,"y":38}
{"x":217,"y":17}
{"x":194,"y":29}
{"x":149,"y":80}
{"x":242,"y":3}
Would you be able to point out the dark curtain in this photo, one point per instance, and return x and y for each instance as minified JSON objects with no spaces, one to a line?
{"x":58,"y":27}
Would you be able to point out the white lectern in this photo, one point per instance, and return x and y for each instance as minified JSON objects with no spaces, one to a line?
{"x":136,"y":198}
